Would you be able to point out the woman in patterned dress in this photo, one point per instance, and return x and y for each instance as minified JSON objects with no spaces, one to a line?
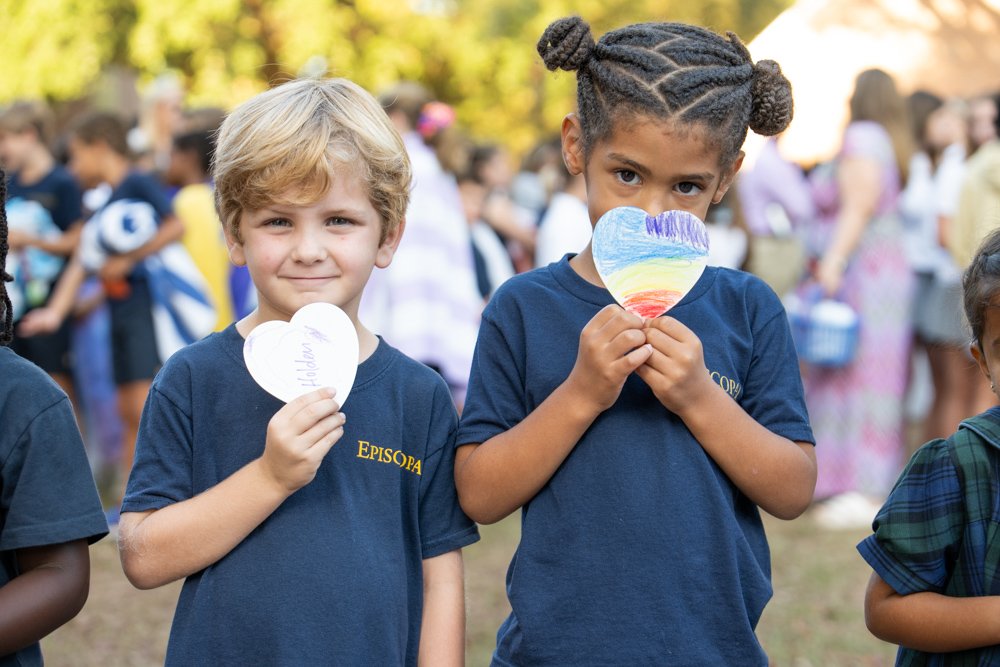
{"x":857,"y":410}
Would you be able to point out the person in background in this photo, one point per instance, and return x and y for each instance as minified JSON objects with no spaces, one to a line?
{"x":928,"y":205}
{"x":983,"y":113}
{"x":935,"y":550}
{"x":426,"y":302}
{"x":49,"y":509}
{"x":856,"y":410}
{"x":190,"y":170}
{"x":565,"y":225}
{"x":776,"y":202}
{"x":493,"y":262}
{"x":99,"y":154}
{"x":35,"y":176}
{"x":489,"y":165}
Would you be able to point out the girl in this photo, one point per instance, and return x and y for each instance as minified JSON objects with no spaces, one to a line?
{"x":935,"y":551}
{"x":639,"y":451}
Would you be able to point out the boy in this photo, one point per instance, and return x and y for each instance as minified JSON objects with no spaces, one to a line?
{"x":99,"y":154}
{"x":34,"y":175}
{"x":49,"y":509}
{"x":297,"y":551}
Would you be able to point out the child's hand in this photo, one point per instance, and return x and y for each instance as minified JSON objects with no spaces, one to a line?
{"x":298,"y":437}
{"x":612,"y":345}
{"x":675,"y":371}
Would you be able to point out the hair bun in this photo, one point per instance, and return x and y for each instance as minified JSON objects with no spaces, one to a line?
{"x":771,"y":110}
{"x":566,"y":44}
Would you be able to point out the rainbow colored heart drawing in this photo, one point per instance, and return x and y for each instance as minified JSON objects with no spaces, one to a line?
{"x":649,"y":263}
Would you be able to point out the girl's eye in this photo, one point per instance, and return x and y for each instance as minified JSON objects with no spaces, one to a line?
{"x":627,"y":176}
{"x":688,"y":188}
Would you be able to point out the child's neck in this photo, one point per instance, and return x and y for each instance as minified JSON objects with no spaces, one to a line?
{"x":114,"y":169}
{"x":584,"y":266}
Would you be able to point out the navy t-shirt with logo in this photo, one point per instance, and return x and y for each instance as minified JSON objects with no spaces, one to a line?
{"x":639,"y":550}
{"x":334,"y":575}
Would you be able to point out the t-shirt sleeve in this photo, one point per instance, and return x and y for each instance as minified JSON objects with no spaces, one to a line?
{"x":495,"y":402}
{"x":69,"y":203}
{"x":773,"y":393}
{"x":162,"y":471}
{"x":47,"y":492}
{"x":443,"y":525}
{"x":918,"y":531}
{"x":150,"y":190}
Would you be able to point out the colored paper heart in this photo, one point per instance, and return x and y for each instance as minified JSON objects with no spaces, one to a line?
{"x":649,"y":263}
{"x":317,"y":348}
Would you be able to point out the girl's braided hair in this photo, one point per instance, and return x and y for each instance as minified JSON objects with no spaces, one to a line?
{"x":7,"y":330}
{"x":981,"y":285}
{"x":671,"y":71}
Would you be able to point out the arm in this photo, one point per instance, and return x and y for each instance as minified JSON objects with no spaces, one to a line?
{"x":502,"y":474}
{"x":119,"y":266}
{"x":49,"y":318}
{"x":51,"y":589}
{"x":163,"y":545}
{"x":929,"y":621}
{"x":442,"y":630}
{"x":859,"y":181}
{"x":775,"y":473}
{"x":62,"y":245}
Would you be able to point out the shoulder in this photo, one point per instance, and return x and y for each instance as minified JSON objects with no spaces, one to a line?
{"x":867,"y":138}
{"x":25,"y":386}
{"x":739,"y":291}
{"x":402,"y":373}
{"x":524,"y":287}
{"x":210,"y":357}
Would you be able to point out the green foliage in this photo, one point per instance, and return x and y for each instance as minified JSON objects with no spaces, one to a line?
{"x":478,"y":56}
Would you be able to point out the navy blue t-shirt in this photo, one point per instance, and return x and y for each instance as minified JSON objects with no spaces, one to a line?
{"x":334,"y":575}
{"x":47,"y":492}
{"x":639,"y":550}
{"x":140,"y":186}
{"x":57,"y":192}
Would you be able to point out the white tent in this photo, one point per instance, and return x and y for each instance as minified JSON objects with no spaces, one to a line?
{"x":949,"y":47}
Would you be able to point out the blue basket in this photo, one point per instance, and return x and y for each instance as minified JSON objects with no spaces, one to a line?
{"x":821,"y":342}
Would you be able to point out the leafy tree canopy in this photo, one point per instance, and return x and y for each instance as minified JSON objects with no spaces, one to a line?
{"x":477,"y":55}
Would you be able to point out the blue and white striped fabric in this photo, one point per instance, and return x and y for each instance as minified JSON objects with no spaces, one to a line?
{"x":182,"y":309}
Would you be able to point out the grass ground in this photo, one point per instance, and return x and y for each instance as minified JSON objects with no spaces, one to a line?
{"x":814,"y":619}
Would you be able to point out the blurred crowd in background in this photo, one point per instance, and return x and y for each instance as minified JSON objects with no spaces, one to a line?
{"x":885,"y":227}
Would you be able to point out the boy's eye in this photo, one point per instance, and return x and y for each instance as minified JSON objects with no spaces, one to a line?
{"x":627,"y":176}
{"x":688,"y":188}
{"x":278,"y":222}
{"x":338,"y":222}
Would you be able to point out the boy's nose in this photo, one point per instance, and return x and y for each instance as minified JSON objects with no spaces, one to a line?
{"x":308,"y":249}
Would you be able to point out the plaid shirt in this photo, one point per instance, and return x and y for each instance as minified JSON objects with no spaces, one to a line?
{"x":939,"y":530}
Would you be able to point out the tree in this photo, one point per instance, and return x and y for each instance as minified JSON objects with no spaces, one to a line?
{"x":478,"y":56}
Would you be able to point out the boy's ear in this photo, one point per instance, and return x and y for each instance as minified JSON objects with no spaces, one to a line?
{"x":572,"y":144}
{"x":728,"y":177}
{"x":387,"y":248}
{"x":235,"y":248}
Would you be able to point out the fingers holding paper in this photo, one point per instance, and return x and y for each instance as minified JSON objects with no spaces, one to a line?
{"x":675,"y":370}
{"x":299,"y":436}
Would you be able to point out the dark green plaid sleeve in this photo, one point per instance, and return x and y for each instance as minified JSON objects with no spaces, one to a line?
{"x":919,"y":530}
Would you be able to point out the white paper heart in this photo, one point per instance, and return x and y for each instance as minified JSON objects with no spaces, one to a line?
{"x":317,"y":348}
{"x":649,"y":263}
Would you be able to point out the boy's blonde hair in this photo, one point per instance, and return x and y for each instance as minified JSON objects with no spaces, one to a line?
{"x":292,"y":140}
